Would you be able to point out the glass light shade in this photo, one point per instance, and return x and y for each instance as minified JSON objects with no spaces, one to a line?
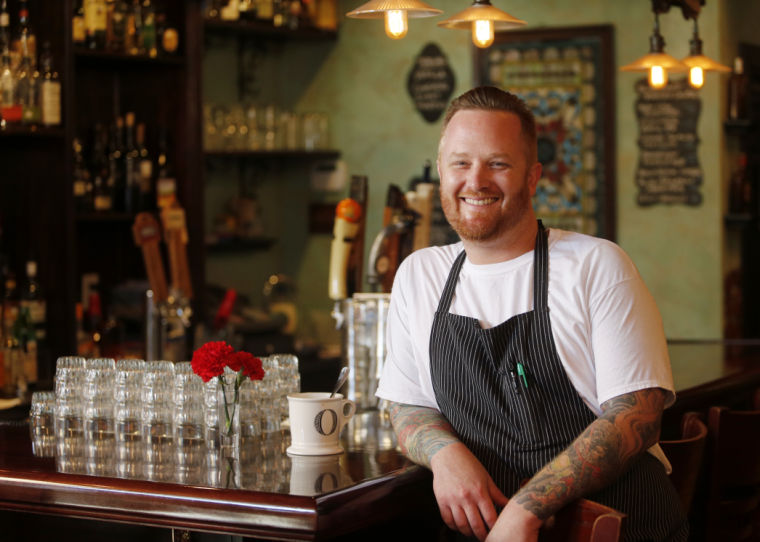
{"x":696,"y":77}
{"x":664,"y":60}
{"x":706,"y":63}
{"x":482,"y":33}
{"x":396,"y":24}
{"x":376,"y":9}
{"x":482,"y":12}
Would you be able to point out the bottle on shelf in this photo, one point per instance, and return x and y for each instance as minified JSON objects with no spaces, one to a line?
{"x":737,"y":91}
{"x":96,"y":23}
{"x":25,"y":42}
{"x":50,"y":89}
{"x":116,"y":37}
{"x":10,"y":303}
{"x":230,"y":12}
{"x":34,"y":311}
{"x":131,"y":165}
{"x":27,"y":90}
{"x":247,"y":9}
{"x":78,"y":32}
{"x":82,"y":182}
{"x":149,"y":31}
{"x":5,"y":25}
{"x":265,"y":9}
{"x":10,"y":108}
{"x":96,"y":322}
{"x":146,"y":200}
{"x":740,"y":188}
{"x":166,"y":183}
{"x":102,"y":189}
{"x":116,"y":168}
{"x":134,"y":45}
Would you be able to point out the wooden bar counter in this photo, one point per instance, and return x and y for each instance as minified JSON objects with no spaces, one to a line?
{"x":266,"y":494}
{"x":370,"y":492}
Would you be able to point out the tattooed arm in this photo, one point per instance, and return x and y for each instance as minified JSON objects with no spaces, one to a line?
{"x":465,"y":493}
{"x":628,"y":426}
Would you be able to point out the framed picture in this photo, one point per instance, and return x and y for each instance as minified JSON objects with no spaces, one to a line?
{"x":565,"y":75}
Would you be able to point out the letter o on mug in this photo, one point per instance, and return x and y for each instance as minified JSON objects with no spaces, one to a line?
{"x":316,"y":421}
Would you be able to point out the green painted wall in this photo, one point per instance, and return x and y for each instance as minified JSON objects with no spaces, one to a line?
{"x":361,"y":81}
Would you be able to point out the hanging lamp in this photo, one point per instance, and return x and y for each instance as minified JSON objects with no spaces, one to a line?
{"x":395,"y":13}
{"x":483,"y":19}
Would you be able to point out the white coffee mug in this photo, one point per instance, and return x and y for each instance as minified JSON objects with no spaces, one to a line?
{"x":316,"y":421}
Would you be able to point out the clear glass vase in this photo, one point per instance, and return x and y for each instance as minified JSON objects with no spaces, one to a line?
{"x":228,"y":405}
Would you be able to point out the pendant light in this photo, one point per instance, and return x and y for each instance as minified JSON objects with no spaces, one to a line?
{"x":657,"y":62}
{"x":698,"y":63}
{"x":483,"y":19}
{"x":395,"y":13}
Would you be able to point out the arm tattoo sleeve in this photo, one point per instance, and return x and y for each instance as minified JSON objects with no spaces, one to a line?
{"x":629,"y":425}
{"x":421,"y":431}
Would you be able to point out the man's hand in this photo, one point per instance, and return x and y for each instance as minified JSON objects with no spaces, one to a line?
{"x":515,"y":524}
{"x":465,"y":492}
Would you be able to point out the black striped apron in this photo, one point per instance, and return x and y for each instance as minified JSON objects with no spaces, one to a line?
{"x":506,"y":394}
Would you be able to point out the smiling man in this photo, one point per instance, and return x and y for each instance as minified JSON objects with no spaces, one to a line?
{"x":526,"y":367}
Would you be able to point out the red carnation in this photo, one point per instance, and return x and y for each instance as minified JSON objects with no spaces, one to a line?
{"x":250,"y":365}
{"x":211,"y":358}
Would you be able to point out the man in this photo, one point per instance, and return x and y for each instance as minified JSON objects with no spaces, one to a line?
{"x":524,"y":363}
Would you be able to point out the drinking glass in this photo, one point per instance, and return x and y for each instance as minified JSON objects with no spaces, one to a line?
{"x":41,"y":424}
{"x":99,"y":382}
{"x":157,"y":401}
{"x":69,"y":396}
{"x":188,"y":406}
{"x":127,"y":412}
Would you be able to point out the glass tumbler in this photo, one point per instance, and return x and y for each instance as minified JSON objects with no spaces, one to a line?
{"x":188,"y":406}
{"x":99,"y":379}
{"x":127,"y":409}
{"x":157,"y":401}
{"x":41,"y":425}
{"x":69,"y":396}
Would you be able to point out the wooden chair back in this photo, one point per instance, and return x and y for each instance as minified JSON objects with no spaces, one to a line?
{"x":685,"y":456}
{"x":584,"y":521}
{"x":733,"y":497}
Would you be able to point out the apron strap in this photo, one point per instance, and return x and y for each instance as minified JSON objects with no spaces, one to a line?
{"x":451,"y":283}
{"x":541,"y":269}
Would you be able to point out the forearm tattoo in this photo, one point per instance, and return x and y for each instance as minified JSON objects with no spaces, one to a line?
{"x":628,"y":426}
{"x":421,"y":431}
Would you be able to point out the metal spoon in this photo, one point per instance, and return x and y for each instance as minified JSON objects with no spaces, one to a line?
{"x":342,"y":376}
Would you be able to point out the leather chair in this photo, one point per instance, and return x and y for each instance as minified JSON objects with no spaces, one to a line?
{"x":733,"y":496}
{"x":584,"y":521}
{"x":686,"y":455}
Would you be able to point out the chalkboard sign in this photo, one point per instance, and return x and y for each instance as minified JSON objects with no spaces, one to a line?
{"x":668,"y":170}
{"x":430,"y":82}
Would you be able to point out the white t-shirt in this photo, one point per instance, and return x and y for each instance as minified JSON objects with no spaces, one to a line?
{"x":605,"y":324}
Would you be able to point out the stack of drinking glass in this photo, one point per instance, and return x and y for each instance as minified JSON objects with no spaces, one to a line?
{"x":154,"y":420}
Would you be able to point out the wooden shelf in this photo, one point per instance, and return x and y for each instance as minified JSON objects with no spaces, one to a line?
{"x":276,"y":155}
{"x":737,"y":126}
{"x":23,"y":130}
{"x":266,"y":29}
{"x":108,"y":218}
{"x":237,"y":244}
{"x":738,"y":219}
{"x":99,"y":58}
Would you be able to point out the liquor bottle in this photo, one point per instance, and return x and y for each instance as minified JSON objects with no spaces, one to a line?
{"x":35,"y":309}
{"x":149,"y":32}
{"x":326,"y":14}
{"x":116,"y":180}
{"x":102,"y":191}
{"x":145,"y":168}
{"x":50,"y":89}
{"x":78,"y":32}
{"x":265,"y":9}
{"x":135,"y":29}
{"x":117,"y":35}
{"x":28,"y":91}
{"x":231,"y":11}
{"x":10,"y":303}
{"x":131,"y":166}
{"x":25,"y":42}
{"x":247,"y":9}
{"x":82,"y":183}
{"x":5,"y":26}
{"x":737,"y":91}
{"x":166,"y":184}
{"x":96,"y":23}
{"x":740,"y":188}
{"x":10,"y":108}
{"x":95,"y":322}
{"x":280,"y":12}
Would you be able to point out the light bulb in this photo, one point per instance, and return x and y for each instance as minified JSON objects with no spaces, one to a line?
{"x":696,"y":77}
{"x":396,"y":23}
{"x":658,"y":77}
{"x":482,"y":33}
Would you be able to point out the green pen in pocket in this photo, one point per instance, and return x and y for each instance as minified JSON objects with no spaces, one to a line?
{"x":522,"y":374}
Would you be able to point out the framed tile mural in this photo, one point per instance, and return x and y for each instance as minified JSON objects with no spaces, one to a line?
{"x":565,"y":75}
